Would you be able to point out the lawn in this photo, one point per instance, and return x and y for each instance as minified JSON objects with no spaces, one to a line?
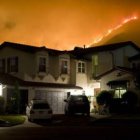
{"x":13,"y":119}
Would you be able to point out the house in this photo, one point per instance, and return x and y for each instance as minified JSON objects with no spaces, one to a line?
{"x":51,"y":74}
{"x":108,"y":67}
{"x":39,"y":72}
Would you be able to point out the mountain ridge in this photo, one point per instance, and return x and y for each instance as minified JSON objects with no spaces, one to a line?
{"x":127,"y":32}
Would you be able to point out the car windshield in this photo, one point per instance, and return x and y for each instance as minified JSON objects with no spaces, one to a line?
{"x":79,"y":98}
{"x":41,"y":106}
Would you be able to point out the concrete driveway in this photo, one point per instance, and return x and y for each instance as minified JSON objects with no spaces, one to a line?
{"x":27,"y":124}
{"x":62,"y":120}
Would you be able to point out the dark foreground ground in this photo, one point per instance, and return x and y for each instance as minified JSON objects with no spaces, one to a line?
{"x":118,"y":127}
{"x":93,"y":120}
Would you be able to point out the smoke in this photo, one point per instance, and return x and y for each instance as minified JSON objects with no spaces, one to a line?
{"x":61,"y":24}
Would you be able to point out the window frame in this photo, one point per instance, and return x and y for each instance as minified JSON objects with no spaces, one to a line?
{"x":42,"y":66}
{"x":81,"y":67}
{"x":64,"y":66}
{"x":12,"y":64}
{"x":2,"y":65}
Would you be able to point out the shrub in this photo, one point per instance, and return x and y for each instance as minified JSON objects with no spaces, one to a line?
{"x":129,"y":98}
{"x":104,"y":97}
{"x":129,"y":101}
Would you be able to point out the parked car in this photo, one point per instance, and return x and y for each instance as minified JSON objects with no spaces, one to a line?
{"x":38,"y":109}
{"x":77,"y":104}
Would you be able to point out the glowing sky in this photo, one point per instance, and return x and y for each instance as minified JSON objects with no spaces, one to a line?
{"x":61,"y":24}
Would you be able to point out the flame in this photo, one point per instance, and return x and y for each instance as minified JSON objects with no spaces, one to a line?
{"x":126,"y":20}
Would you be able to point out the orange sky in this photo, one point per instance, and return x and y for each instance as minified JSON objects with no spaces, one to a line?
{"x":61,"y":24}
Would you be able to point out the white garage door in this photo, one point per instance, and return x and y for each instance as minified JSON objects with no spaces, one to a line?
{"x":56,"y":100}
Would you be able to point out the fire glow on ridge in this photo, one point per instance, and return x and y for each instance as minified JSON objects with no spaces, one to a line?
{"x":99,"y":38}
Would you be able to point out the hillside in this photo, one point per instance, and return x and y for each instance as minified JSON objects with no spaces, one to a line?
{"x":128,"y":32}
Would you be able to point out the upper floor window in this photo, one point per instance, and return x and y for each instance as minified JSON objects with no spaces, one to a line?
{"x":12,"y":64}
{"x":95,"y":59}
{"x":95,"y":63}
{"x":2,"y":65}
{"x":81,"y":67}
{"x":64,"y":67}
{"x":42,"y":64}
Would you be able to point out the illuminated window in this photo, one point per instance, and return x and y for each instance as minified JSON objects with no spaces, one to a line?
{"x":2,"y":65}
{"x":64,"y":67}
{"x":81,"y":67}
{"x":12,"y":64}
{"x":119,"y":92}
{"x":42,"y":64}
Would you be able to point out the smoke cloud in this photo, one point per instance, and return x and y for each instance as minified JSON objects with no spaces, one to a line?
{"x":61,"y":24}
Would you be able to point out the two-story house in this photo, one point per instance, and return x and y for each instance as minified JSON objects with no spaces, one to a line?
{"x":40,"y":73}
{"x":51,"y":74}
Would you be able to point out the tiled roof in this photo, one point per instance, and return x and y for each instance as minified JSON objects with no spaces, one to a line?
{"x":113,"y":46}
{"x":123,"y":69}
{"x":8,"y":79}
{"x":80,"y":52}
{"x":28,"y":48}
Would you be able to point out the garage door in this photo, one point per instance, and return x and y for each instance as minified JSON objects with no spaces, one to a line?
{"x":56,"y":100}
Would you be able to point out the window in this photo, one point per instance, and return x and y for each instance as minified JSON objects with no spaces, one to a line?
{"x":95,"y":59}
{"x":42,"y":64}
{"x":2,"y":65}
{"x":64,"y":67}
{"x":12,"y":64}
{"x":81,"y":67}
{"x":119,"y":92}
{"x":95,"y":62}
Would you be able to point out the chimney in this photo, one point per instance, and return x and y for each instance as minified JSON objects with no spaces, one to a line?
{"x":84,"y":46}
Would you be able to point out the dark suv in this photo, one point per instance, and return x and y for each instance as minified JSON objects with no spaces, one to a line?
{"x":77,"y":104}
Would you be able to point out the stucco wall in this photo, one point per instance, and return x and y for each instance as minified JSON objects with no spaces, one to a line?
{"x":73,"y":71}
{"x":26,"y":60}
{"x":104,"y":63}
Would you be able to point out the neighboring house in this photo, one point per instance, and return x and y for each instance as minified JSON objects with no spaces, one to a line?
{"x":109,"y":63}
{"x":135,"y":65}
{"x":53,"y":75}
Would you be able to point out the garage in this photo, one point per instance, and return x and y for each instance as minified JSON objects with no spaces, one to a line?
{"x":54,"y":98}
{"x":56,"y":101}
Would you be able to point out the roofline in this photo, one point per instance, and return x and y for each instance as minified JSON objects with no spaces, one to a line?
{"x":111,"y":70}
{"x":29,"y":48}
{"x":112,"y":46}
{"x":117,"y":43}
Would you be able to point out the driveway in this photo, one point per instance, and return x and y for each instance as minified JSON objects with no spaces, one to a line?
{"x":27,"y":124}
{"x":59,"y":120}
{"x":62,"y":120}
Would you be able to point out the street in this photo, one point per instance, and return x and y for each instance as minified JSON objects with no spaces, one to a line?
{"x":71,"y":132}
